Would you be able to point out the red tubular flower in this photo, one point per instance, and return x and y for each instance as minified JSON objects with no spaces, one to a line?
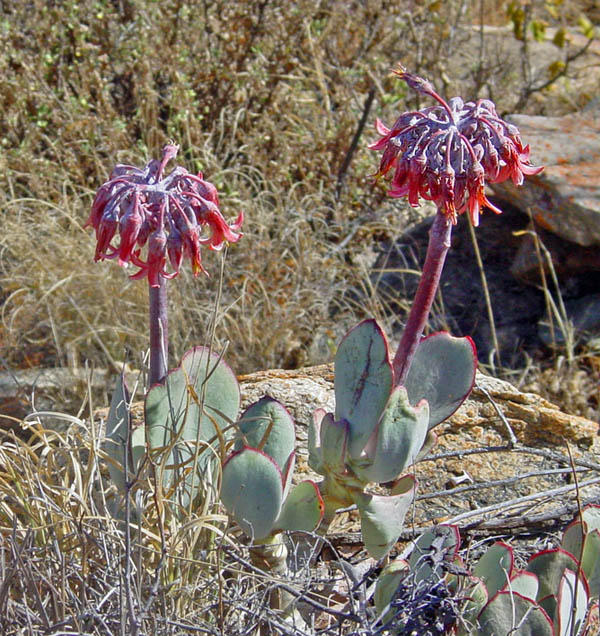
{"x":447,"y":152}
{"x":165,"y":216}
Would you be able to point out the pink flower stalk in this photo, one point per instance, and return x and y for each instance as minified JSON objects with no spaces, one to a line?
{"x":446,"y":153}
{"x":169,"y":218}
{"x":167,"y":215}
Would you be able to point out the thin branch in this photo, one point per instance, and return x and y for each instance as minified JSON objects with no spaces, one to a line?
{"x":300,"y":595}
{"x":505,"y":505}
{"x":341,"y":177}
{"x":496,"y":483}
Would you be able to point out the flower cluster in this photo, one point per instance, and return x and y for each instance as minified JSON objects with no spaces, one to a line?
{"x":168,"y":214}
{"x":446,"y":153}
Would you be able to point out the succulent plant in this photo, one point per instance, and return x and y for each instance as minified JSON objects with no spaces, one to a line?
{"x":552,"y":596}
{"x":385,"y":409}
{"x":257,"y":491}
{"x":256,"y":486}
{"x":188,"y":421}
{"x":379,"y":429}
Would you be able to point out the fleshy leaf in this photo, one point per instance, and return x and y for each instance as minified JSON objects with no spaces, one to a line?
{"x":590,"y":562}
{"x":315,"y":452}
{"x":403,"y":485}
{"x":117,"y":424}
{"x":288,"y":472}
{"x":477,"y":597}
{"x":584,"y":545}
{"x":303,"y":508}
{"x":573,"y":537}
{"x":334,"y":441}
{"x":197,"y":403}
{"x":252,"y":491}
{"x":396,"y":441}
{"x":431,"y":439}
{"x":363,"y":381}
{"x":524,"y":583}
{"x":591,"y":516}
{"x":508,"y":610}
{"x":268,"y":426}
{"x":549,"y":566}
{"x":495,"y":567}
{"x":443,"y":373}
{"x":432,"y":549}
{"x":382,"y":519}
{"x":573,"y":592}
{"x":387,"y":583}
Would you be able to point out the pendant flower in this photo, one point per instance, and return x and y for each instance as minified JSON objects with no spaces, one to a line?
{"x":446,"y":153}
{"x":171,"y":216}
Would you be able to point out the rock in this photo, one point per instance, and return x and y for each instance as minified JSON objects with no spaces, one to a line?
{"x":565,"y":197}
{"x":571,"y":262}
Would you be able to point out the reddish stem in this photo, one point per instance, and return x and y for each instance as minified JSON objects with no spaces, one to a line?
{"x":159,"y":333}
{"x":439,"y":243}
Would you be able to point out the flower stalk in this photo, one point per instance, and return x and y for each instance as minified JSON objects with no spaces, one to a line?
{"x":159,"y":332}
{"x":445,"y":153}
{"x":161,"y":221}
{"x":439,"y":243}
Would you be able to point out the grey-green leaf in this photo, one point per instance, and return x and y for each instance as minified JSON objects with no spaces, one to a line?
{"x":382,"y":519}
{"x":442,"y":372}
{"x":363,"y":381}
{"x":397,"y":439}
{"x":495,"y":567}
{"x":268,"y":426}
{"x":188,"y":418}
{"x":252,"y":491}
{"x":117,"y":424}
{"x":571,"y":604}
{"x":434,"y":548}
{"x":511,"y":613}
{"x":549,"y":566}
{"x":302,"y":509}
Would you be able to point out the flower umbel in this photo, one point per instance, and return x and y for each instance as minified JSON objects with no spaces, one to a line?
{"x":165,"y":214}
{"x":446,"y":153}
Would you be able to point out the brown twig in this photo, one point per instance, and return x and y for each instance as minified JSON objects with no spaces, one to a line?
{"x":300,"y":595}
{"x":505,"y":505}
{"x":341,"y":177}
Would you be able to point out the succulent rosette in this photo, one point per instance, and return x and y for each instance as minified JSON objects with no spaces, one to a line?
{"x":170,"y":217}
{"x":556,"y":593}
{"x":380,"y":428}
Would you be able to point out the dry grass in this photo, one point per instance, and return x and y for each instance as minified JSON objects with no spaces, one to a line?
{"x":71,"y":563}
{"x":264,"y":98}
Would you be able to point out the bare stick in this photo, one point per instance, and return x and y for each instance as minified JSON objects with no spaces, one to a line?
{"x":511,"y":436}
{"x":486,"y":294}
{"x":504,"y":505}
